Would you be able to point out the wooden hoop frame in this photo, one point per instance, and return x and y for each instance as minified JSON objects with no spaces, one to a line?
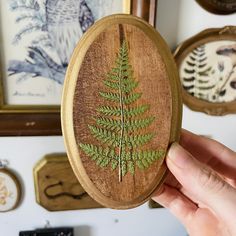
{"x":206,"y":36}
{"x":68,"y":96}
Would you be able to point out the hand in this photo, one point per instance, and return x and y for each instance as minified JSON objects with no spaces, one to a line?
{"x":201,"y":188}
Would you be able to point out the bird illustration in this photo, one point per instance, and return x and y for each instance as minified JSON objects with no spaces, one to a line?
{"x":66,"y":21}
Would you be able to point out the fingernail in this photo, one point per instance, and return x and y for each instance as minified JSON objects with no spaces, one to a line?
{"x":179,"y":156}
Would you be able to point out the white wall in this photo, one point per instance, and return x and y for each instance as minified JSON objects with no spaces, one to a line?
{"x":177,"y":20}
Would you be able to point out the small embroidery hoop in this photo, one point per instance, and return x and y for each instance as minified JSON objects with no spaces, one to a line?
{"x":6,"y":171}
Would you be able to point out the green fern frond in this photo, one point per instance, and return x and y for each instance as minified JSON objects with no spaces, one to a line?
{"x":137,"y":140}
{"x":108,"y":123}
{"x":111,"y":84}
{"x":127,"y":86}
{"x":129,"y":112}
{"x":98,"y":154}
{"x":136,"y":111}
{"x":131,"y":98}
{"x":130,"y":125}
{"x":133,"y":125}
{"x":114,"y":97}
{"x":117,"y":125}
{"x":145,"y":158}
{"x":105,"y":136}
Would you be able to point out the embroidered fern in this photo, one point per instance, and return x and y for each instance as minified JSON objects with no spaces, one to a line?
{"x":117,"y":127}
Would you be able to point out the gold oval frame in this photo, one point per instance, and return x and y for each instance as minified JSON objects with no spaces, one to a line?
{"x":68,"y":95}
{"x":206,"y":36}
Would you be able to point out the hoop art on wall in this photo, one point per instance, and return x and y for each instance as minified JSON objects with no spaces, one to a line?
{"x":207,"y":68}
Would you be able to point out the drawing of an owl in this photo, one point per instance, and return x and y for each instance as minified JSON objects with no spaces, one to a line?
{"x":66,"y":21}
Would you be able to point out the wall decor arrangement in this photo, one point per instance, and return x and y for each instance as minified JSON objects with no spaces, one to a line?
{"x":57,"y":188}
{"x":10,"y":189}
{"x":207,"y":68}
{"x":121,"y":109}
{"x":65,"y":231}
{"x":222,"y":7}
{"x":38,"y":37}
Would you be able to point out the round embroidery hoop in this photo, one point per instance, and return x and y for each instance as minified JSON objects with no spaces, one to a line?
{"x":10,"y":190}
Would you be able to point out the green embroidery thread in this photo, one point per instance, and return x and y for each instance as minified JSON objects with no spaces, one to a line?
{"x":117,"y":126}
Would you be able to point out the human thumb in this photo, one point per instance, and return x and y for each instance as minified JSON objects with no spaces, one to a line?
{"x":202,"y":184}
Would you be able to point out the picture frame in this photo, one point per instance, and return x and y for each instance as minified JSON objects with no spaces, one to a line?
{"x":60,"y":231}
{"x":221,"y":7}
{"x":26,"y":119}
{"x":99,"y":115}
{"x":207,"y":71}
{"x":56,"y":186}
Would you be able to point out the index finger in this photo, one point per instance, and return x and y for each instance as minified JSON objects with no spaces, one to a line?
{"x":212,"y":153}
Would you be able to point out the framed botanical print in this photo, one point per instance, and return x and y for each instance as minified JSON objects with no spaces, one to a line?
{"x":207,"y":68}
{"x":37,"y":40}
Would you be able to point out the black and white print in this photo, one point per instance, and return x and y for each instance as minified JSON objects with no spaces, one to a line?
{"x":39,"y":37}
{"x":209,"y":71}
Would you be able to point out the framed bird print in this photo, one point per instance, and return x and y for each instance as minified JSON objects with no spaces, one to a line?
{"x":37,"y":40}
{"x":121,"y":109}
{"x":207,"y":68}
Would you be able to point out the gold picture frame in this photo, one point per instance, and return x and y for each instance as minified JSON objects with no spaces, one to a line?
{"x":56,"y":187}
{"x":19,"y":120}
{"x":209,"y":85}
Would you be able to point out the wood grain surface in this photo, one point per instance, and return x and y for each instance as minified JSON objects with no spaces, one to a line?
{"x":57,"y":188}
{"x":155,"y":72}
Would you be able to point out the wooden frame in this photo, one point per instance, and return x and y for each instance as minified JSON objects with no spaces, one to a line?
{"x":20,"y":120}
{"x":183,"y":50}
{"x":70,"y":103}
{"x":56,"y":186}
{"x":218,"y":6}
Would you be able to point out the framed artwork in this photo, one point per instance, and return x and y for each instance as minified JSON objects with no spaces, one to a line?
{"x":63,"y":231}
{"x":222,"y":7}
{"x":118,"y":125}
{"x":37,"y":40}
{"x":57,"y":188}
{"x":10,"y":190}
{"x":207,"y":68}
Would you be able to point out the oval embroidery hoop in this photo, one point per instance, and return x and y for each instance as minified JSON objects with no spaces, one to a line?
{"x":10,"y":190}
{"x":121,"y":108}
{"x":206,"y":68}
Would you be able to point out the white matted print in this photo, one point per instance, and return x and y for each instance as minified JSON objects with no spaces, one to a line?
{"x":208,"y":72}
{"x":9,"y":192}
{"x":37,"y":40}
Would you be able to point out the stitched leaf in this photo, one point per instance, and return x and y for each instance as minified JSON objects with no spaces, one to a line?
{"x":120,"y":124}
